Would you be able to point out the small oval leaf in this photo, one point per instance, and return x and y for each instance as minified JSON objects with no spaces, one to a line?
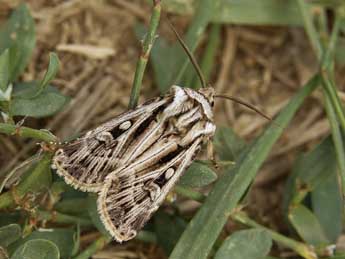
{"x":248,"y":244}
{"x":38,"y":248}
{"x":9,"y":234}
{"x":307,"y":225}
{"x":47,"y":103}
{"x":329,"y":213}
{"x":197,"y":175}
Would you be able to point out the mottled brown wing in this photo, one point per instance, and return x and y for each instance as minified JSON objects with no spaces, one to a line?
{"x":132,"y":194}
{"x":85,"y":162}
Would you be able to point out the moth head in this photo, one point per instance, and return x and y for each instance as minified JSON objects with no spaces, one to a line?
{"x":209,"y":93}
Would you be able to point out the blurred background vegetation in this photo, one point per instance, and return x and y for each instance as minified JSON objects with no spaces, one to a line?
{"x":67,"y":66}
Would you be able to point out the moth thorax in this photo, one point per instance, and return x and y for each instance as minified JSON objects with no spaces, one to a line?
{"x":125,"y":125}
{"x":169,"y":173}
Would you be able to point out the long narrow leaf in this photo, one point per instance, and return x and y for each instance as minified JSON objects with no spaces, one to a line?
{"x":204,"y":228}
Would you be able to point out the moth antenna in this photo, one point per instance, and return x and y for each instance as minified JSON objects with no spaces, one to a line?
{"x":189,"y":54}
{"x":249,"y":106}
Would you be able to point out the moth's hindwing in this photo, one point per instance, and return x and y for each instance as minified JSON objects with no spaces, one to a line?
{"x":85,"y":162}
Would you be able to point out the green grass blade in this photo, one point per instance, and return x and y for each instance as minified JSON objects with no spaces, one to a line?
{"x":203,"y":230}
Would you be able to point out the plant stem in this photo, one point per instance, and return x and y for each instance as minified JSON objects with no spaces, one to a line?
{"x":25,"y":132}
{"x":189,"y":193}
{"x":145,"y":53}
{"x":99,"y":244}
{"x":57,"y":217}
{"x":302,"y":249}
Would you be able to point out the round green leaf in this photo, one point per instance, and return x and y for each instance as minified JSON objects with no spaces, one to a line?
{"x":307,"y":225}
{"x":38,"y":248}
{"x":62,"y":238}
{"x":197,"y":175}
{"x":248,"y":244}
{"x":9,"y":234}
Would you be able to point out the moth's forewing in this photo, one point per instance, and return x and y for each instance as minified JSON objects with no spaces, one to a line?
{"x":128,"y":201}
{"x":136,"y":189}
{"x":85,"y":162}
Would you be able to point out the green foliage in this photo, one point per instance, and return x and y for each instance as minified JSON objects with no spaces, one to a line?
{"x":237,"y":245}
{"x":197,"y":175}
{"x":327,"y":207}
{"x":37,"y":248}
{"x":18,"y":35}
{"x":227,"y":144}
{"x":168,"y":229}
{"x":307,"y":225}
{"x":63,"y":238}
{"x":23,"y":103}
{"x":9,"y":234}
{"x":17,"y":41}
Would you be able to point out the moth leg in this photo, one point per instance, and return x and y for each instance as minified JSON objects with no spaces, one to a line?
{"x":211,"y":155}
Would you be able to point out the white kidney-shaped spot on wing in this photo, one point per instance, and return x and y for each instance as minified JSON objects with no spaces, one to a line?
{"x":169,"y":173}
{"x":125,"y":125}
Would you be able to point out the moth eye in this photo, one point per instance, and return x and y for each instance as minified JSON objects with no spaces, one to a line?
{"x":169,"y":173}
{"x":125,"y":125}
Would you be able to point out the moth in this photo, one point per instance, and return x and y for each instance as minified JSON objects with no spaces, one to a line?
{"x":135,"y":159}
